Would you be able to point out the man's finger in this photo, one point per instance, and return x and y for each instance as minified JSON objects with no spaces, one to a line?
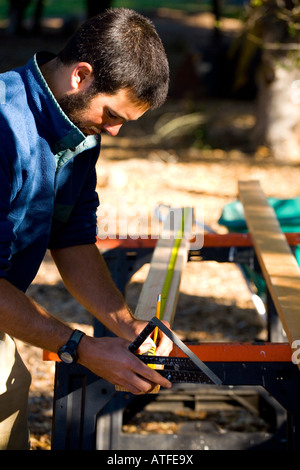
{"x":152,"y":376}
{"x":146,"y":346}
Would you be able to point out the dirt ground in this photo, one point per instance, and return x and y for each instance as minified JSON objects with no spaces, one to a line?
{"x":149,"y":164}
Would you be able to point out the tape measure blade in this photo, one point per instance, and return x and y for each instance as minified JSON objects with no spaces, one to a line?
{"x":182,"y":217}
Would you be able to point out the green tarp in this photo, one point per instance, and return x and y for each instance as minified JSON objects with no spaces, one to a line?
{"x":288,"y":214}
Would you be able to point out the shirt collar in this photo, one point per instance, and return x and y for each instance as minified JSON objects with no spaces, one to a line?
{"x":64,"y":134}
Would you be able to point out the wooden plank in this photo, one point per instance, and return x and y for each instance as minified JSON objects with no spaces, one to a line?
{"x":278,"y":264}
{"x":175,"y":239}
{"x":172,"y":233}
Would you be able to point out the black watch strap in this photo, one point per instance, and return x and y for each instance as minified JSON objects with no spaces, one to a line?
{"x":70,"y":348}
{"x":75,"y":338}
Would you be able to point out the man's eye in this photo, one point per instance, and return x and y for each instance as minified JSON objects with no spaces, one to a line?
{"x":111,"y":115}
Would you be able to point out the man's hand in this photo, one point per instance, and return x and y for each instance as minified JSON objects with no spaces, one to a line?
{"x":87,"y":278}
{"x":163,"y":344}
{"x":111,"y":359}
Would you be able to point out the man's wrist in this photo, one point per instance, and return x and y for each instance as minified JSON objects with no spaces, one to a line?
{"x":68,"y":352}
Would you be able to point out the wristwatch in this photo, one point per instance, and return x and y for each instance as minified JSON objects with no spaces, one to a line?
{"x":68,"y":352}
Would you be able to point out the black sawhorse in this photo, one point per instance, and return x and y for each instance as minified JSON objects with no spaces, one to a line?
{"x":88,"y":412}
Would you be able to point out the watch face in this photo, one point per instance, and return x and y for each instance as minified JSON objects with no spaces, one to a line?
{"x":66,"y":357}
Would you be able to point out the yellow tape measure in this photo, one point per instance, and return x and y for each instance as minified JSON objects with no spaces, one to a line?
{"x":172,"y":262}
{"x":162,"y":298}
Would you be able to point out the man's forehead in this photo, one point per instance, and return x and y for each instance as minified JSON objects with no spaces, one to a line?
{"x":125,"y":106}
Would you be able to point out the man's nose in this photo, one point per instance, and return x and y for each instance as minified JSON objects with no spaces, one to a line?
{"x":112,"y":130}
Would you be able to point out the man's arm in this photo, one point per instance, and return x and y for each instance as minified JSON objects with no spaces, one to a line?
{"x":109,"y":358}
{"x":22,"y":318}
{"x":87,"y":278}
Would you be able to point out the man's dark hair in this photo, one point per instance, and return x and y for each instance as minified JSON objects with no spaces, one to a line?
{"x":125,"y":52}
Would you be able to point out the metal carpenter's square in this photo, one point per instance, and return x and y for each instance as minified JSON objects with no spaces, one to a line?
{"x":176,"y":369}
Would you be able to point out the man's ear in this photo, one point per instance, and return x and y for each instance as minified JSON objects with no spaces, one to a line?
{"x":81,"y":76}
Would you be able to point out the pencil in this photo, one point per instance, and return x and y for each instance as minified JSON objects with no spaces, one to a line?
{"x":158,"y":306}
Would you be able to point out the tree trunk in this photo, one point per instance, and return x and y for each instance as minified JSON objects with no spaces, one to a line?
{"x":278,"y":110}
{"x":273,"y":28}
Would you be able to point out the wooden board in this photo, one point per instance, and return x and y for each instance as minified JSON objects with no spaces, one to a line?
{"x":174,"y":239}
{"x":278,"y":264}
{"x":159,"y":266}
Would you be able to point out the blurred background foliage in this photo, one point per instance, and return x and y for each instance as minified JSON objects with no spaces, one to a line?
{"x":233,"y":8}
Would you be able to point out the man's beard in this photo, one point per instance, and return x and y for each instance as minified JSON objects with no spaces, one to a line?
{"x":74,"y":105}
